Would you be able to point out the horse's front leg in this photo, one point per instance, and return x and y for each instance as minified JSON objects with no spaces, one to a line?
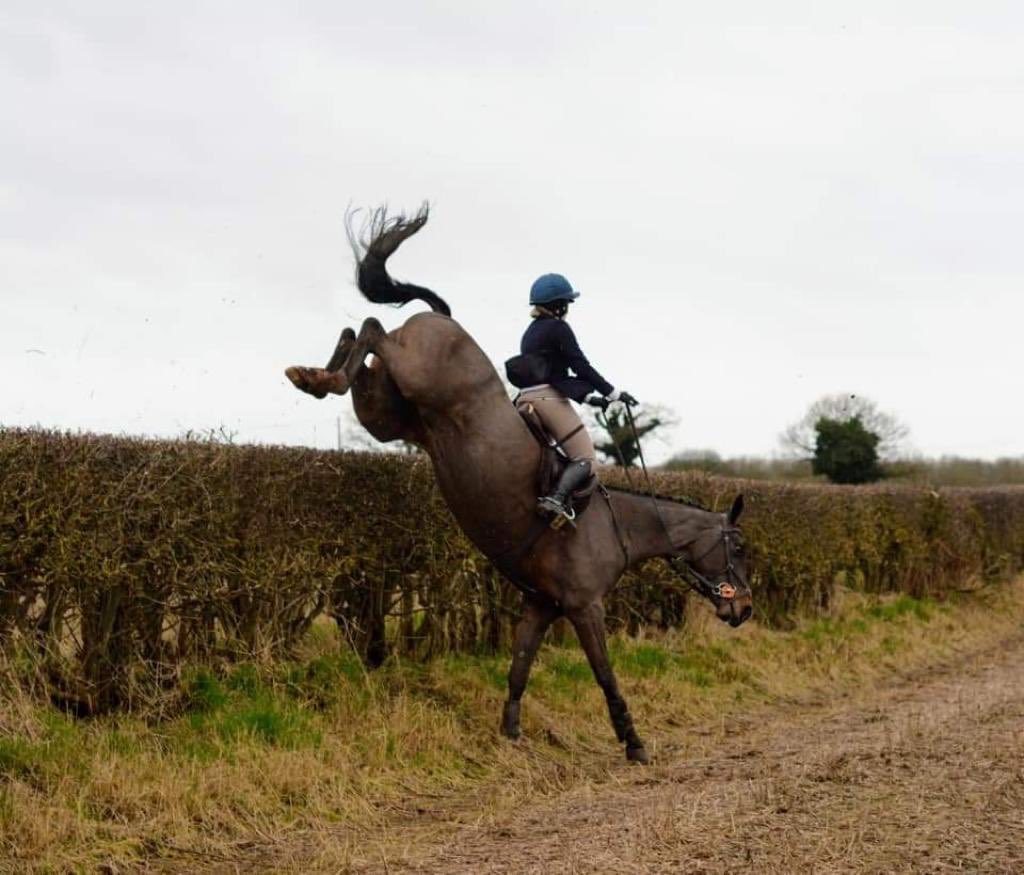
{"x":589,"y":625}
{"x":530,"y":630}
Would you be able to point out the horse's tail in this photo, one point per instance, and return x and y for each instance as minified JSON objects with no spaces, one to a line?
{"x":381,"y":235}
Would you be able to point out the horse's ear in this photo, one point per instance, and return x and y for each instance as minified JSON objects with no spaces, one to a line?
{"x":736,"y":509}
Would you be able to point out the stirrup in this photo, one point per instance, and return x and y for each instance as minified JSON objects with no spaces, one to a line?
{"x":560,"y":513}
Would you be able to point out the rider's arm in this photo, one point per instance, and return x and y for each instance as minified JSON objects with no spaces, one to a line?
{"x":575,"y":359}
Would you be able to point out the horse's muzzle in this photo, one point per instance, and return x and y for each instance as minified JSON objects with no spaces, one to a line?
{"x":735,"y":611}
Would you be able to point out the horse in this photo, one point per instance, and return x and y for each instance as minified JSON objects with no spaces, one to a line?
{"x":429,"y":383}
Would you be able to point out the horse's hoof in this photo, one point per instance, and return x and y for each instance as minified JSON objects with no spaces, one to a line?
{"x":638,"y":755}
{"x":510,"y":720}
{"x":302,"y":379}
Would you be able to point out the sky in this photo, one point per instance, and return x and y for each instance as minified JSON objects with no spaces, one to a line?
{"x":760,"y":203}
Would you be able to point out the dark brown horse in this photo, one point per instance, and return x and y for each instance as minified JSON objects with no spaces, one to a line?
{"x":429,"y":383}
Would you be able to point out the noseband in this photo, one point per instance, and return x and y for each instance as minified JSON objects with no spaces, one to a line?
{"x":724,"y":586}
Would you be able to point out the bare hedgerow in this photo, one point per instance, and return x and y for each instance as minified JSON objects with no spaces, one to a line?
{"x":122,"y":559}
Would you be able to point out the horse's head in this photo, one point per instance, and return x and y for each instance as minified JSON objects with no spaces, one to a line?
{"x":718,"y":561}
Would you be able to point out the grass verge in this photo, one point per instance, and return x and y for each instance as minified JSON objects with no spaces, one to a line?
{"x":320,"y":754}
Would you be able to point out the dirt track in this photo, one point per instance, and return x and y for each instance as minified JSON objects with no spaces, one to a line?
{"x":924,"y":775}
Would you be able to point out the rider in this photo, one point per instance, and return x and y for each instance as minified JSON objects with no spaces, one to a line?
{"x":549,"y":339}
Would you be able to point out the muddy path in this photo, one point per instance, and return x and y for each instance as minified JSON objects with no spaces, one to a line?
{"x":923,"y":774}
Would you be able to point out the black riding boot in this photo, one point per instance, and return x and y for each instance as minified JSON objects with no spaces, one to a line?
{"x":575,"y":475}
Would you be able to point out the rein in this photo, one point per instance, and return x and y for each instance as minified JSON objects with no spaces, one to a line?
{"x":694,"y":580}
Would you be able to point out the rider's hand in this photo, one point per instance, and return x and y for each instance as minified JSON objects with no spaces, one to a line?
{"x":595,"y":399}
{"x":628,"y":399}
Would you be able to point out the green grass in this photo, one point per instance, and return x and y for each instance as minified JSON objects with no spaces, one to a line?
{"x":490,"y":670}
{"x":275,"y":707}
{"x":292,"y":705}
{"x":43,"y":759}
{"x":641,"y":660}
{"x":901,"y":606}
{"x":564,"y":670}
{"x":867,"y":616}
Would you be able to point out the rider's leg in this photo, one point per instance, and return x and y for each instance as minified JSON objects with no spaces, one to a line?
{"x":575,"y":476}
{"x":564,"y":423}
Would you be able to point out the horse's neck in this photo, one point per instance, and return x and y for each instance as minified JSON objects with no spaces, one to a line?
{"x":655,"y":527}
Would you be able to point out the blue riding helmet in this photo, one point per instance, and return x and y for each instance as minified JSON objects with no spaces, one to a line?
{"x":552,"y":287}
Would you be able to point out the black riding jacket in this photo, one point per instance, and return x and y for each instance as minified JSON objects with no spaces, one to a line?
{"x":555,"y":339}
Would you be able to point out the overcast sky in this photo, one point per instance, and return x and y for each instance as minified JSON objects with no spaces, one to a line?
{"x":760,"y":202}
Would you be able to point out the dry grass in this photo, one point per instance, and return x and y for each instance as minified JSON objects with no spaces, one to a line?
{"x":922,"y":774}
{"x":314,"y":764}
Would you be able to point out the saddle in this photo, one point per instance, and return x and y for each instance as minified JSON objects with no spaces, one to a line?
{"x":553,"y":461}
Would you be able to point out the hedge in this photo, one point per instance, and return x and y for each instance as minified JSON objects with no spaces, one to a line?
{"x":123,"y":559}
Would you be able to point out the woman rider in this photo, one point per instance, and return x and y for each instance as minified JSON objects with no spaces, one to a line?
{"x":550,"y":350}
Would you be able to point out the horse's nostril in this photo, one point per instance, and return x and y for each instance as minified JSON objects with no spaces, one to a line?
{"x":746,"y":613}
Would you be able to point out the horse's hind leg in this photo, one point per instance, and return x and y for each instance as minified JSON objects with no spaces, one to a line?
{"x":529,"y":633}
{"x":589,"y":625}
{"x":381,"y":409}
{"x":342,"y":350}
{"x":321,"y":382}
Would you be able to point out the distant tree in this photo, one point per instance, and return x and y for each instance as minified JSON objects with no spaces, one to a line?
{"x":845,"y":451}
{"x":800,"y":439}
{"x":613,"y":438}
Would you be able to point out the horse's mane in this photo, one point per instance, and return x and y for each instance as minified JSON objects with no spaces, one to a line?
{"x":689,"y":502}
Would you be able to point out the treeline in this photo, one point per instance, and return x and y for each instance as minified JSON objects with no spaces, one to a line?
{"x":121,"y":560}
{"x":944,"y":471}
{"x":743,"y":467}
{"x":957,"y":471}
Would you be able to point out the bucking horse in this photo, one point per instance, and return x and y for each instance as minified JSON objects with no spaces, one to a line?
{"x":429,"y":383}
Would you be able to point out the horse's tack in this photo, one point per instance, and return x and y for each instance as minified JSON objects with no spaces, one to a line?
{"x":723,"y":588}
{"x":551,"y":449}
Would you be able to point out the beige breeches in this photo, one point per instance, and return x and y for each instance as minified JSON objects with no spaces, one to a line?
{"x":559,"y":418}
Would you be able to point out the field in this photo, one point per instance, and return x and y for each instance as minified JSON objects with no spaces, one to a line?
{"x":854,"y":742}
{"x":222,"y":658}
{"x":923,"y":773}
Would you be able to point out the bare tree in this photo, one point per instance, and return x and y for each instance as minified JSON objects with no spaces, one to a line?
{"x":613,"y":436}
{"x":799,"y":438}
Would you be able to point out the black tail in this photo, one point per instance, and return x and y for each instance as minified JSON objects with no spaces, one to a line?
{"x":381,"y":235}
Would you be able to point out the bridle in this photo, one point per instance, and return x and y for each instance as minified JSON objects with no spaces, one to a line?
{"x":727,"y":582}
{"x":725,"y":585}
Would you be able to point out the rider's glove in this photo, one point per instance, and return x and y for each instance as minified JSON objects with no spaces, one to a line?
{"x":624,"y":397}
{"x":596,"y":399}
